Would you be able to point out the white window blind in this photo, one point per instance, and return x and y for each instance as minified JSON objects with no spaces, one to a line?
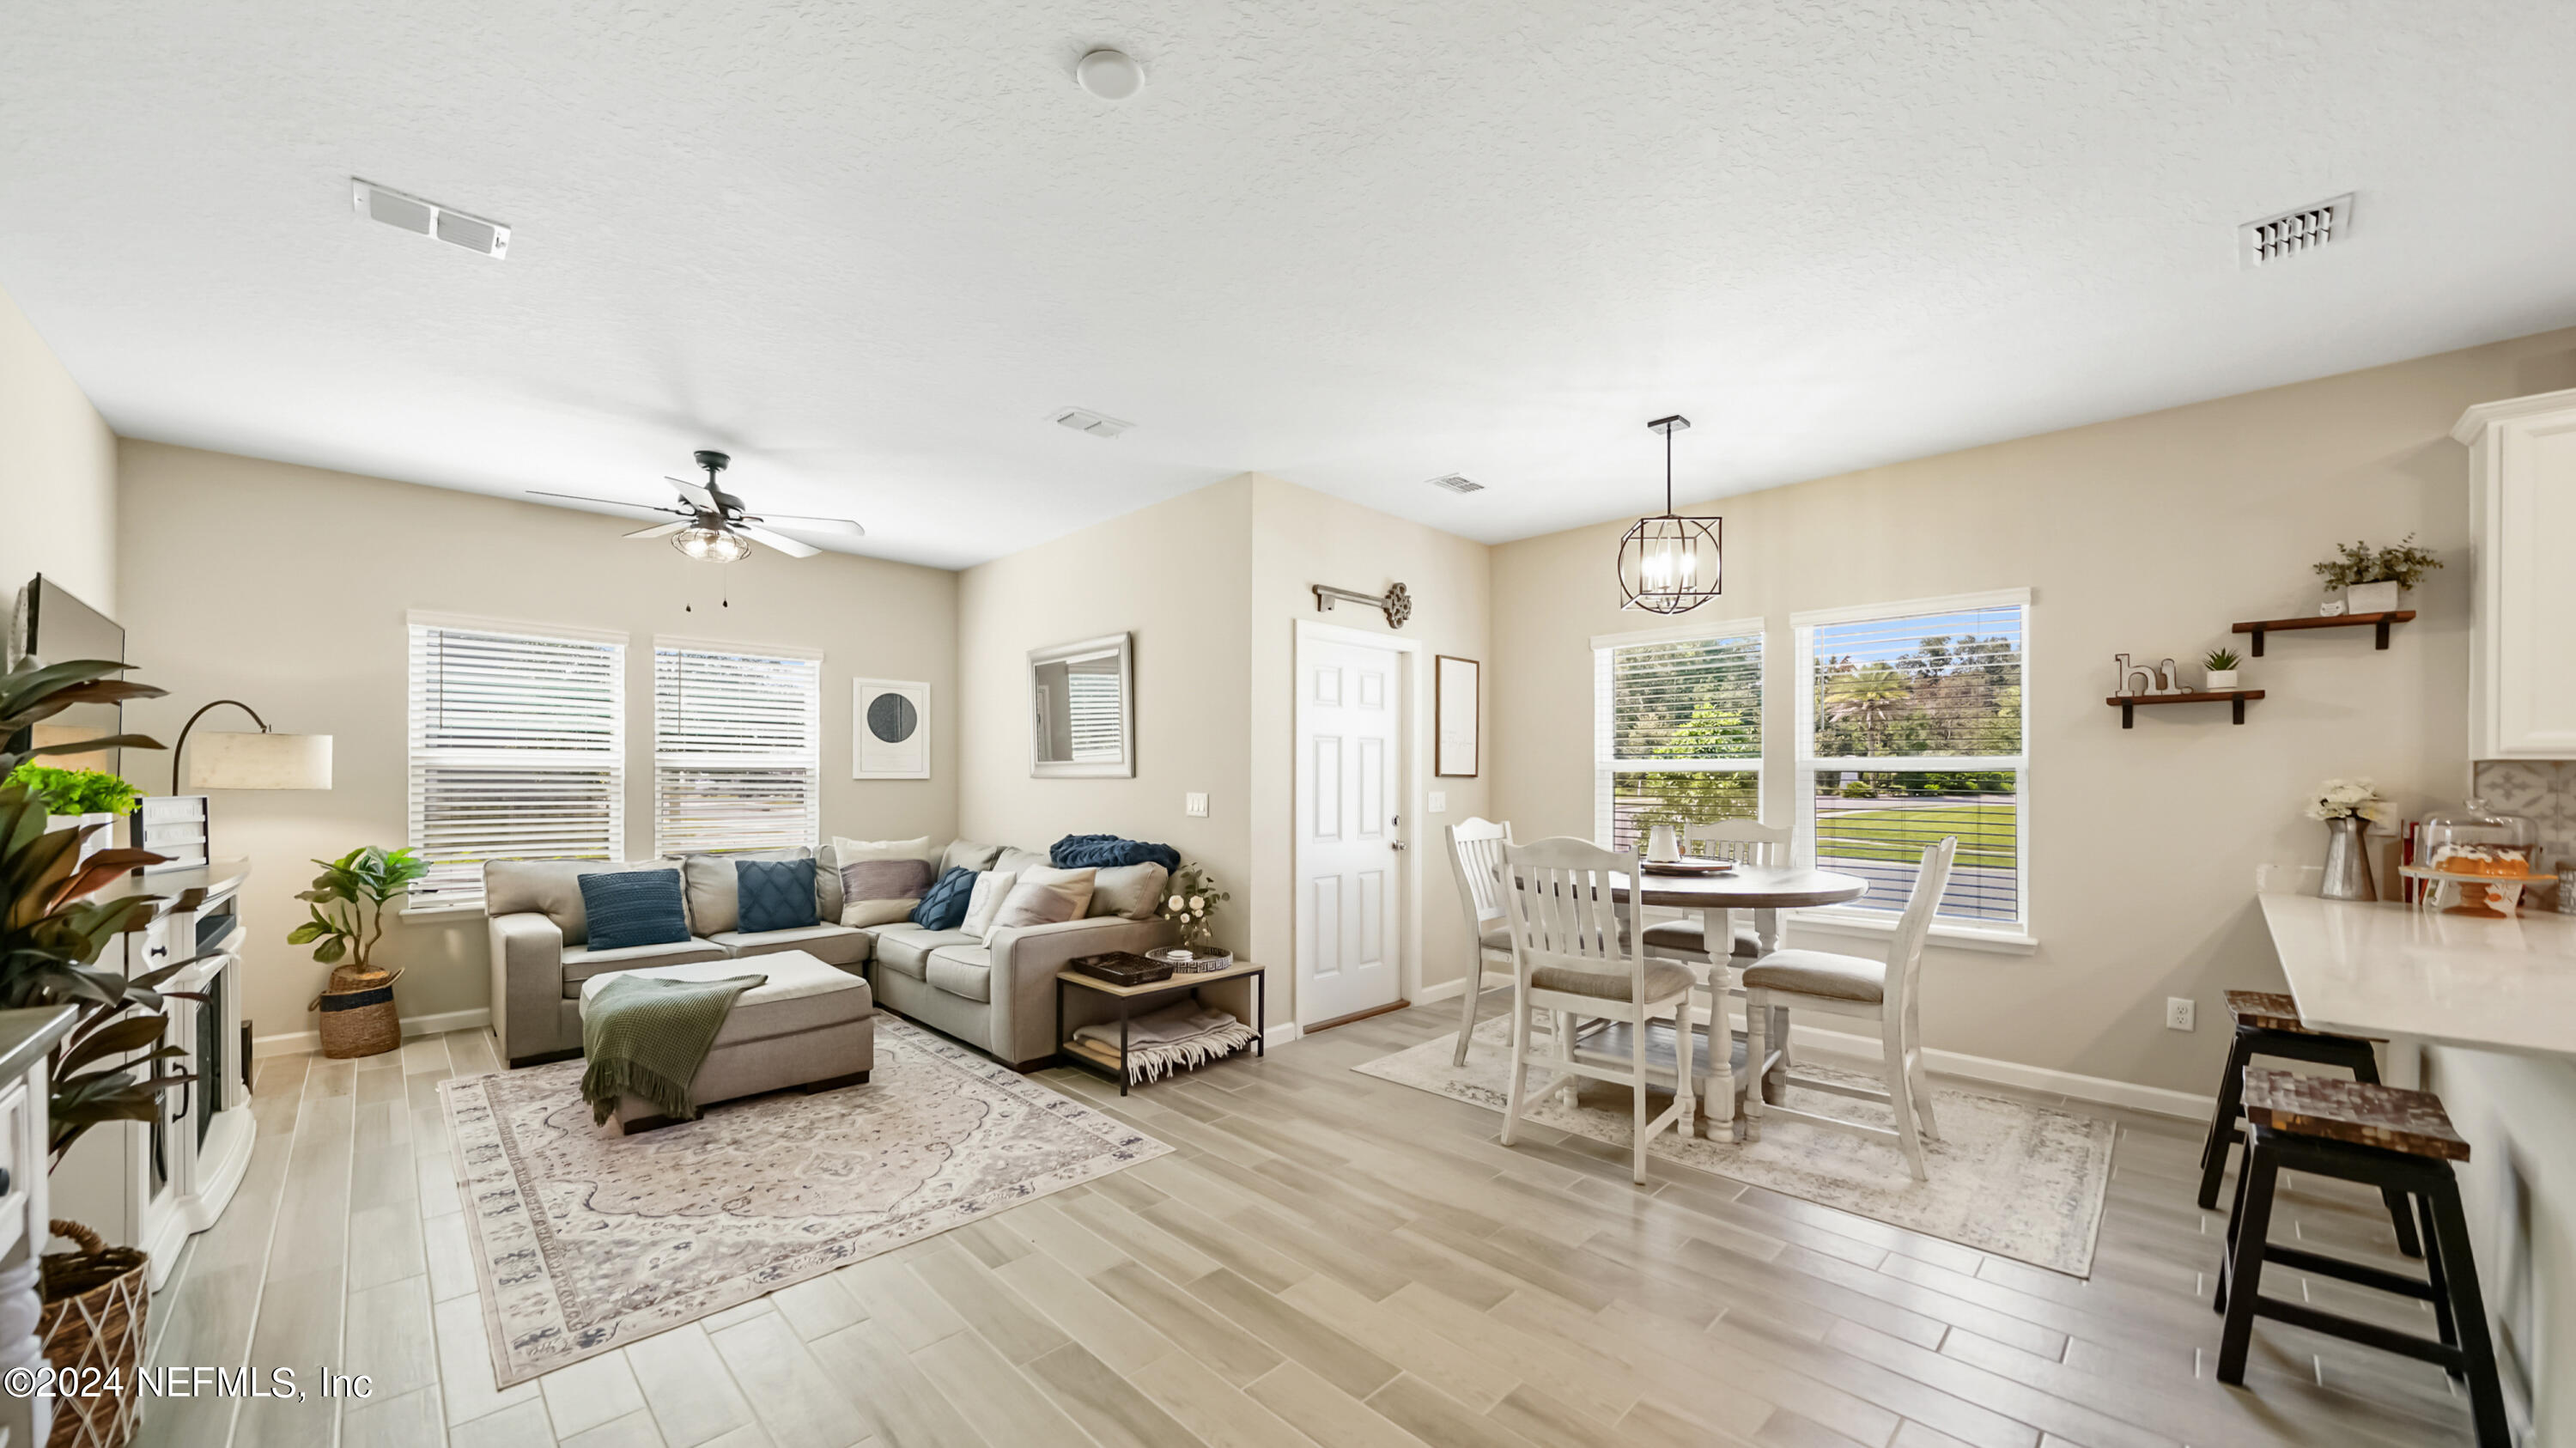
{"x":737,"y":748}
{"x":1911,"y":729}
{"x":518,"y":750}
{"x":1091,"y":705}
{"x":1678,"y":731}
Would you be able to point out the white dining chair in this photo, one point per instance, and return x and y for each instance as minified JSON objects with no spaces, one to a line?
{"x":1476,"y":858}
{"x":1746,"y":842}
{"x":1856,"y":986}
{"x":1571,"y":958}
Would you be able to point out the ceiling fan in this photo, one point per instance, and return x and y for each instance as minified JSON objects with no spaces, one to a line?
{"x":714,"y":526}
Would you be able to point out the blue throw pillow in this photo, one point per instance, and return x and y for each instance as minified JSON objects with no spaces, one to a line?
{"x":634,"y":907}
{"x":773,"y":894}
{"x":943,"y":906}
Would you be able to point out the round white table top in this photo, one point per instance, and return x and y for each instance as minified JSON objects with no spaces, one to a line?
{"x":1749,"y":887}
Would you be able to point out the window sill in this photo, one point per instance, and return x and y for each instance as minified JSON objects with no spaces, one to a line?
{"x":450,"y":907}
{"x":1955,"y":937}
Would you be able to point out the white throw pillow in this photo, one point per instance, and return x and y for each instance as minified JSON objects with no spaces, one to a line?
{"x":1045,"y":896}
{"x":992,"y":887}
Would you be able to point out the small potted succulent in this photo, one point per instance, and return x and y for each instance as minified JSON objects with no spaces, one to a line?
{"x":2221,"y":664}
{"x":2373,"y":579}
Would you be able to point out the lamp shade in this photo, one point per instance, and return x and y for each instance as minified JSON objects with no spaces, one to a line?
{"x":261,"y":761}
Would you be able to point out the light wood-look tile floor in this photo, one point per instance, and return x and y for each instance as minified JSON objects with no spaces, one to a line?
{"x":1327,"y":1259}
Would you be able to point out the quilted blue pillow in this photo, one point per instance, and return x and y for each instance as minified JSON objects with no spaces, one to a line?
{"x":634,"y":907}
{"x":773,"y":894}
{"x":943,"y":906}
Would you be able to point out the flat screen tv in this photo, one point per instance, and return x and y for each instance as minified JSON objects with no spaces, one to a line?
{"x":57,"y":627}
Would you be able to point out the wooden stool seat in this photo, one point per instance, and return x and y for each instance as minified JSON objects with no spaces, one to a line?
{"x":2273,"y":1011}
{"x":2410,"y":1123}
{"x":2267,"y":1024}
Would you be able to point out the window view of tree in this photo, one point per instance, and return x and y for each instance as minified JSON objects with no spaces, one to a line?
{"x":1685,"y":735}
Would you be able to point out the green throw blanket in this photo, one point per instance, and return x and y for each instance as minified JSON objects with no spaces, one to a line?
{"x":646,"y":1038}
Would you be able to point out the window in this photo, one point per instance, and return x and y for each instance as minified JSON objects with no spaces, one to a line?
{"x":737,"y":753}
{"x":518,"y":749}
{"x":1678,"y":730}
{"x":1910,"y":728}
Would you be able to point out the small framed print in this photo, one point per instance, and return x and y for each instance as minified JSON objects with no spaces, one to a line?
{"x":1456,"y":687}
{"x":892,"y":737}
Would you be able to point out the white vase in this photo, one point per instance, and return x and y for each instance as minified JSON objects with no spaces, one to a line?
{"x":97,"y":841}
{"x":2221,"y":680}
{"x":2373,"y":597}
{"x":1661,"y":843}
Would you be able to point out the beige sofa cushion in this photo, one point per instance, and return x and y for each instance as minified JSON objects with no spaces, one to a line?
{"x":904,"y":948}
{"x":713,"y":903}
{"x":581,"y":963}
{"x":552,"y":888}
{"x":961,"y":970}
{"x":1015,"y":861}
{"x":1131,"y":892}
{"x":831,"y":944}
{"x":967,"y":855}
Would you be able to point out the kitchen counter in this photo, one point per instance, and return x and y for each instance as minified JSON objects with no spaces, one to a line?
{"x":2382,"y":969}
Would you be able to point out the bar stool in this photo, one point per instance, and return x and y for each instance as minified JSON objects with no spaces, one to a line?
{"x":2267,"y":1024}
{"x":2401,"y":1142}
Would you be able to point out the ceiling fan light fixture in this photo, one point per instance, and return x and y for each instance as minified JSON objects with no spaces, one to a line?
{"x":1668,"y":563}
{"x":711,"y":545}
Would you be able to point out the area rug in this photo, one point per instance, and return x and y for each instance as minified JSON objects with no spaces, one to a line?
{"x":585,"y":1241}
{"x":2008,"y":1177}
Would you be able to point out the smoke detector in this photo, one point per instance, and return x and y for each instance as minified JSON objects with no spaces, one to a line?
{"x":2294,"y":233}
{"x":1112,"y":75}
{"x":1457,"y":483}
{"x":1098,"y":424}
{"x":428,"y":218}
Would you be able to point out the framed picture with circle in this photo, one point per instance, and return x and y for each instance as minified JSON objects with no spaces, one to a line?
{"x":893,"y":730}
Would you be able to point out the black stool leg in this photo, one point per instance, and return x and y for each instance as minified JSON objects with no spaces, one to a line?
{"x":2365,"y":1068}
{"x":2434,"y":1278}
{"x":2222,"y":1123}
{"x":2253,"y":1223}
{"x":2469,"y":1315}
{"x":2227,"y":1244}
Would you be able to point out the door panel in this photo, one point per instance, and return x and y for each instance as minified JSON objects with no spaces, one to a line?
{"x":1348,"y":727}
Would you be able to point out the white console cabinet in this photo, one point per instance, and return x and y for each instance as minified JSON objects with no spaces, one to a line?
{"x":2522,"y":611}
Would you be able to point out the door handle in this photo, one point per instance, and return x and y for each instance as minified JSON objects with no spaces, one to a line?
{"x":1395,"y":844}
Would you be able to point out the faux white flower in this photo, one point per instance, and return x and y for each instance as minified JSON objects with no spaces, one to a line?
{"x":1198,"y":903}
{"x":1177,"y":903}
{"x":2345,"y":798}
{"x":1199,"y":912}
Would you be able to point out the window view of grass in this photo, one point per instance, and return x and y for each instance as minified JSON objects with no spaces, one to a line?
{"x":1695,"y":701}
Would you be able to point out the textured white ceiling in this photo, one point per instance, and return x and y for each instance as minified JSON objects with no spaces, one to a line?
{"x":868,"y":248}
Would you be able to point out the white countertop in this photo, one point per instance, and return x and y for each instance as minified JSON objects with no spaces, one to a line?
{"x":2382,"y":969}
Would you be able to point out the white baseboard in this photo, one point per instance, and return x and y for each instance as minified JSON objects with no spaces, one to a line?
{"x":1281,"y":1034}
{"x":2100,"y":1090}
{"x":297,"y":1043}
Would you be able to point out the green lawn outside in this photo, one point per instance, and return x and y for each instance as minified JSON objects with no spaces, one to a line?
{"x":1989,"y":834}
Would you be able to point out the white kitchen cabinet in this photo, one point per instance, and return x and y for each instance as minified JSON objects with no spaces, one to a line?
{"x":2522,"y":586}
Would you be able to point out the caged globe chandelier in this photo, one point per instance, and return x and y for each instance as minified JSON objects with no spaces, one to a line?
{"x":1669,"y":563}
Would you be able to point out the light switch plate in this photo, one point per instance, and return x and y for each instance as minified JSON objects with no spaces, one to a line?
{"x":2178,"y":1013}
{"x":1438,"y":803}
{"x":1194,"y":804}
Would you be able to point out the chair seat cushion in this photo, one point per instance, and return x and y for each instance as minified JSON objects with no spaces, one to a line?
{"x":1498,"y":938}
{"x":906,"y":948}
{"x":830,"y":944}
{"x":1664,"y":980}
{"x":1820,"y":973}
{"x":580,"y":963}
{"x":961,"y":970}
{"x":1691,"y":936}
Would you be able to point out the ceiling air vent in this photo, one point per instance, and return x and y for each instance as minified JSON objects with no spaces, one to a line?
{"x":2294,"y":233}
{"x":428,"y":218}
{"x":1095,"y":423}
{"x":1457,"y":483}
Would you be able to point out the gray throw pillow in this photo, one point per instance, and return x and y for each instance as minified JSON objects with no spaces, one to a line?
{"x":880,"y":892}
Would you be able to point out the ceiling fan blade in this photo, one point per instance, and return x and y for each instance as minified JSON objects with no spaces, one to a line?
{"x":696,"y":493}
{"x":779,"y":541}
{"x":611,"y":502}
{"x":803,"y":524}
{"x":659,"y":530}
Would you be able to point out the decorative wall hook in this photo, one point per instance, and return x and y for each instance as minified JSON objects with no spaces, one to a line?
{"x":1397,"y":603}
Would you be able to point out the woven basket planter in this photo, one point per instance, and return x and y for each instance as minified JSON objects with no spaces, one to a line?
{"x":92,"y":1329}
{"x":358,"y":1015}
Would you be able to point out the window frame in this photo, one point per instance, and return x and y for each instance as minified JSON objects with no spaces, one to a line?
{"x":809,"y":761}
{"x":1606,"y":769}
{"x":611,"y":758}
{"x":2014,"y":935}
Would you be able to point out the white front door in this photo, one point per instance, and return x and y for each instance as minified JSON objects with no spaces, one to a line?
{"x":1349,"y":732}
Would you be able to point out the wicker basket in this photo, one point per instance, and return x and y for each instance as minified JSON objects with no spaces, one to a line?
{"x":93,"y":1326}
{"x":358,"y":1015}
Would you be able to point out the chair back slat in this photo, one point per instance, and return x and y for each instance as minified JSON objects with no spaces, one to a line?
{"x":1905,"y":957}
{"x":1476,"y":858}
{"x":1559,"y":896}
{"x":1746,"y":842}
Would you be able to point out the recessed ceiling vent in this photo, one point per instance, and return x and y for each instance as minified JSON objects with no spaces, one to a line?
{"x":2294,"y":233}
{"x":1095,"y":423}
{"x":1458,"y":483}
{"x":428,"y":218}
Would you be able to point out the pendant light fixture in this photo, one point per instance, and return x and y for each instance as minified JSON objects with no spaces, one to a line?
{"x":1669,"y":563}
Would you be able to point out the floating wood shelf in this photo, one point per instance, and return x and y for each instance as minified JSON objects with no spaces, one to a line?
{"x":2380,"y":621}
{"x":2128,"y":703}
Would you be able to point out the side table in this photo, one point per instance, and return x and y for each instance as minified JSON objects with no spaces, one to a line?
{"x":1098,"y":1061}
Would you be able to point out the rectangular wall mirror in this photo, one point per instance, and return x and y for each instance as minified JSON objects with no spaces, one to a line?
{"x":1083,"y":709}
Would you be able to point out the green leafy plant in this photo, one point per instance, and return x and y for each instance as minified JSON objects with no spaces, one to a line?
{"x":52,"y":934}
{"x":2358,"y":562}
{"x":78,"y":791}
{"x":348,"y":902}
{"x":2220,"y":660}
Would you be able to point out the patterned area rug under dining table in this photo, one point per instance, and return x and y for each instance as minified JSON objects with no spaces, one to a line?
{"x":2014,"y":1178}
{"x":585,"y":1241}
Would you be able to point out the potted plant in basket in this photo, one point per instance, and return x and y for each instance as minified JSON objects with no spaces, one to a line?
{"x":348,"y":902}
{"x":2221,"y":664}
{"x":2372,"y":579}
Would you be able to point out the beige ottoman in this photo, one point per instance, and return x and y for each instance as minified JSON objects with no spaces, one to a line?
{"x":811,"y":1026}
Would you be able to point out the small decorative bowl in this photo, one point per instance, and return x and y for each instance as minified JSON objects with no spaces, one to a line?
{"x":1190,"y":962}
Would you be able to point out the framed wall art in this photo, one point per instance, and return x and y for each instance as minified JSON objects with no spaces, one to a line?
{"x":1456,"y":687}
{"x":892,"y":737}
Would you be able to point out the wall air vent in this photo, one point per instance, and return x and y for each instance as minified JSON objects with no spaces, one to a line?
{"x":428,"y":218}
{"x":1457,"y":483}
{"x":1095,"y":423}
{"x":2294,"y":233}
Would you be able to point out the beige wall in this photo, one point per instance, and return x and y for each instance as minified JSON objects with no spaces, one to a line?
{"x":2147,"y":535}
{"x":57,"y":473}
{"x":286,"y":587}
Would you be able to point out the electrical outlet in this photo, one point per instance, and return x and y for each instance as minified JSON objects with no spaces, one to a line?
{"x":1438,"y":802}
{"x":1194,"y":804}
{"x":2178,"y":1013}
